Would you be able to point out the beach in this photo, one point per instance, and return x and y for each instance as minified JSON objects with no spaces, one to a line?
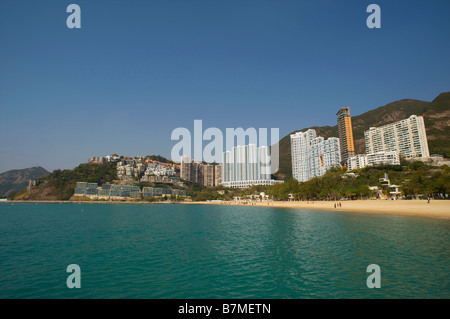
{"x":434,"y":209}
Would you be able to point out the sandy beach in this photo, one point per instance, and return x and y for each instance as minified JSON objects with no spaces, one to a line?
{"x":435,"y":209}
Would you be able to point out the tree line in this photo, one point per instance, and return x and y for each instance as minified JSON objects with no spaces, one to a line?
{"x":414,"y":179}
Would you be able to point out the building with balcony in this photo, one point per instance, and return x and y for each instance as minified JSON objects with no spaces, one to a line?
{"x":312,"y":156}
{"x":345,"y":129}
{"x":363,"y":160}
{"x":407,"y":137}
{"x":247,"y":165}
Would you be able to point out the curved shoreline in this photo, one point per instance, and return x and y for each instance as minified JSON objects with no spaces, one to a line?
{"x":434,"y":209}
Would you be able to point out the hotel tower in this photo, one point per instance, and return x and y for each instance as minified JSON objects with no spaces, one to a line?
{"x":345,"y":134}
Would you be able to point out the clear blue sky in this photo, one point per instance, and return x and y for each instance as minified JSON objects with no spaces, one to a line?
{"x":136,"y":70}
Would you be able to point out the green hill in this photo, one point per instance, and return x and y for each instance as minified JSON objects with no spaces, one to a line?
{"x":437,"y":122}
{"x":60,"y":184}
{"x":14,"y":180}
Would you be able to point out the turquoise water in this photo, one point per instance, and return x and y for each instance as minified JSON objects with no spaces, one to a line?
{"x":209,"y":251}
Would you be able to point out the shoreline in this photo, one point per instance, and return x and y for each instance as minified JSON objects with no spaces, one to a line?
{"x":420,"y":208}
{"x":434,"y":209}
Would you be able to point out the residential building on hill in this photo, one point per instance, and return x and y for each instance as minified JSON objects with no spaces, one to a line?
{"x":356,"y":162}
{"x":407,"y":137}
{"x":113,"y":191}
{"x":129,"y":169}
{"x":363,"y":160}
{"x":312,"y":156}
{"x":387,"y":158}
{"x":345,"y":129}
{"x":205,"y":174}
{"x":218,"y":175}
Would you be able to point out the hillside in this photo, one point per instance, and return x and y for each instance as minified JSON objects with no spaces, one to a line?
{"x":14,"y":180}
{"x":437,"y":124}
{"x":60,"y":184}
{"x":437,"y":121}
{"x":159,"y":158}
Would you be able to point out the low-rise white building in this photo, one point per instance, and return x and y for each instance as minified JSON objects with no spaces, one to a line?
{"x":363,"y":160}
{"x":356,"y":162}
{"x":388,"y":158}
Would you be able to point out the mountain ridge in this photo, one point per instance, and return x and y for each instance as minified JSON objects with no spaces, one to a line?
{"x":14,"y":180}
{"x":436,"y":117}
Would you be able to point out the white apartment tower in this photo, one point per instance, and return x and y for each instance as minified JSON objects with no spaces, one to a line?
{"x":312,"y":156}
{"x":246,"y":165}
{"x":407,"y":137}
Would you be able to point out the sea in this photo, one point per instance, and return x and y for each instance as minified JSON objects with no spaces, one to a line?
{"x":179,"y":251}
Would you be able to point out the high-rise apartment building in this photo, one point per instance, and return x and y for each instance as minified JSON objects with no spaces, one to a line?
{"x":205,"y":174}
{"x":208,"y":174}
{"x":246,"y":165}
{"x":217,"y":175}
{"x":407,"y":137}
{"x":312,"y":156}
{"x":212,"y":174}
{"x":191,"y":170}
{"x":185,"y":168}
{"x":345,"y":134}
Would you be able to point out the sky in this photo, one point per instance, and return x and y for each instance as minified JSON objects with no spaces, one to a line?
{"x":136,"y":70}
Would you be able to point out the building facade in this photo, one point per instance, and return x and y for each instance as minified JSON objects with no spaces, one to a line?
{"x":98,"y":160}
{"x":356,"y":162}
{"x":208,"y":174}
{"x":363,"y":160}
{"x":247,"y":165}
{"x":218,"y":175}
{"x":205,"y":174}
{"x":407,"y":137}
{"x":118,"y":192}
{"x":191,"y":170}
{"x":312,"y":156}
{"x":345,"y":129}
{"x":387,"y":158}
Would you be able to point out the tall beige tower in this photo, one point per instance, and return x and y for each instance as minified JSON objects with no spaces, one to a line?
{"x":345,"y":134}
